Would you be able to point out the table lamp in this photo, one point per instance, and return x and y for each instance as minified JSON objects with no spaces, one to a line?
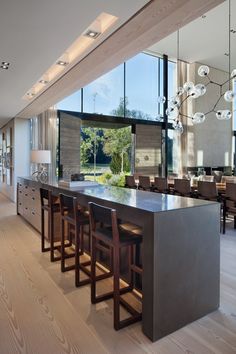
{"x":41,"y":157}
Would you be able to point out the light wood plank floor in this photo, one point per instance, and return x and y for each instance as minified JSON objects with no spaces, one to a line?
{"x":42,"y":312}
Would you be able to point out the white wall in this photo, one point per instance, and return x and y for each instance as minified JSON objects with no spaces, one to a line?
{"x":21,"y":154}
{"x":22,"y":149}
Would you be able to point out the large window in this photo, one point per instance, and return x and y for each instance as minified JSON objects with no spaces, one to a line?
{"x":130,"y":90}
{"x":106,"y":94}
{"x":71,"y":103}
{"x":142,"y":82}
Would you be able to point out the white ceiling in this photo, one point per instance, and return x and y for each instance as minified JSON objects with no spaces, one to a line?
{"x":205,"y":40}
{"x":34,"y":34}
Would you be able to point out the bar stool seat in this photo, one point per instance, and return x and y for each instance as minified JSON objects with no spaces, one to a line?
{"x":105,"y":234}
{"x":133,"y":229}
{"x":112,"y":236}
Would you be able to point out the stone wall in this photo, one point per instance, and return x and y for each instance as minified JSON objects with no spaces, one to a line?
{"x":147,"y":149}
{"x":69,"y":144}
{"x":209,"y":143}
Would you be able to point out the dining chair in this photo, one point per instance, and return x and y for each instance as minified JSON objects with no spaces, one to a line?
{"x":182,"y":187}
{"x":130,"y":182}
{"x":208,"y":191}
{"x":160,"y":185}
{"x":206,"y":178}
{"x":229,"y":203}
{"x":144,"y":183}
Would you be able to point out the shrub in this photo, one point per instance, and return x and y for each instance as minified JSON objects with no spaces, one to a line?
{"x":112,"y":180}
{"x":115,"y":164}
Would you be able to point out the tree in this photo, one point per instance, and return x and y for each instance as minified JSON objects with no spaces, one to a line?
{"x":89,"y":145}
{"x":122,"y":110}
{"x":118,"y":142}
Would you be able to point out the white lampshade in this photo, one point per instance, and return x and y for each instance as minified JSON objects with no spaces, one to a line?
{"x":41,"y":156}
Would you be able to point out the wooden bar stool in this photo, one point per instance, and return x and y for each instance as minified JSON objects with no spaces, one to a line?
{"x":75,"y":218}
{"x":111,"y":236}
{"x":50,"y":204}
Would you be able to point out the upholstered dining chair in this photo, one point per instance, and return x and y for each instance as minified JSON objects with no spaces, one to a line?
{"x":229,"y":203}
{"x":182,"y":187}
{"x":130,"y":182}
{"x":144,"y":183}
{"x":160,"y":185}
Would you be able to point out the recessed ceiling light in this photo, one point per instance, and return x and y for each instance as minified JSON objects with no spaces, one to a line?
{"x":73,"y":53}
{"x":30,"y":94}
{"x":4,"y":65}
{"x":62,"y":63}
{"x":44,"y":82}
{"x":92,"y":34}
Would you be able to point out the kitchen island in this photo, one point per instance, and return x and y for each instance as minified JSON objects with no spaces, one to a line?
{"x":181,"y":248}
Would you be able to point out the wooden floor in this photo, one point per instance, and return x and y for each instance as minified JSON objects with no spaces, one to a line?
{"x":42,"y":312}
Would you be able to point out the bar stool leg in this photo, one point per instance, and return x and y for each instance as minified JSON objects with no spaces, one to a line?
{"x":51,"y":221}
{"x":116,"y":287}
{"x":42,"y":232}
{"x":77,"y":256}
{"x":62,"y":246}
{"x":93,"y":271}
{"x":131,"y":262}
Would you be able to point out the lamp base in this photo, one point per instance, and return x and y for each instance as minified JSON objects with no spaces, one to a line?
{"x":41,"y":175}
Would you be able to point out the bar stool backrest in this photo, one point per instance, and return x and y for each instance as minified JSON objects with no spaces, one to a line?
{"x":231,"y":191}
{"x":207,"y":189}
{"x":182,"y":186}
{"x":130,"y":181}
{"x":161,"y":183}
{"x":45,"y":197}
{"x":68,"y":206}
{"x":100,"y":214}
{"x":144,"y":181}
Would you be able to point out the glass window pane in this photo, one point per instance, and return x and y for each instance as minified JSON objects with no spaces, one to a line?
{"x":71,"y":103}
{"x":142,"y":86}
{"x":106,"y":94}
{"x":234,"y":107}
{"x":171,"y":79}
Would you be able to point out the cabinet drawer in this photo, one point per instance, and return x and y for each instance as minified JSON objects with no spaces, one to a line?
{"x":34,"y":219}
{"x":20,"y":207}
